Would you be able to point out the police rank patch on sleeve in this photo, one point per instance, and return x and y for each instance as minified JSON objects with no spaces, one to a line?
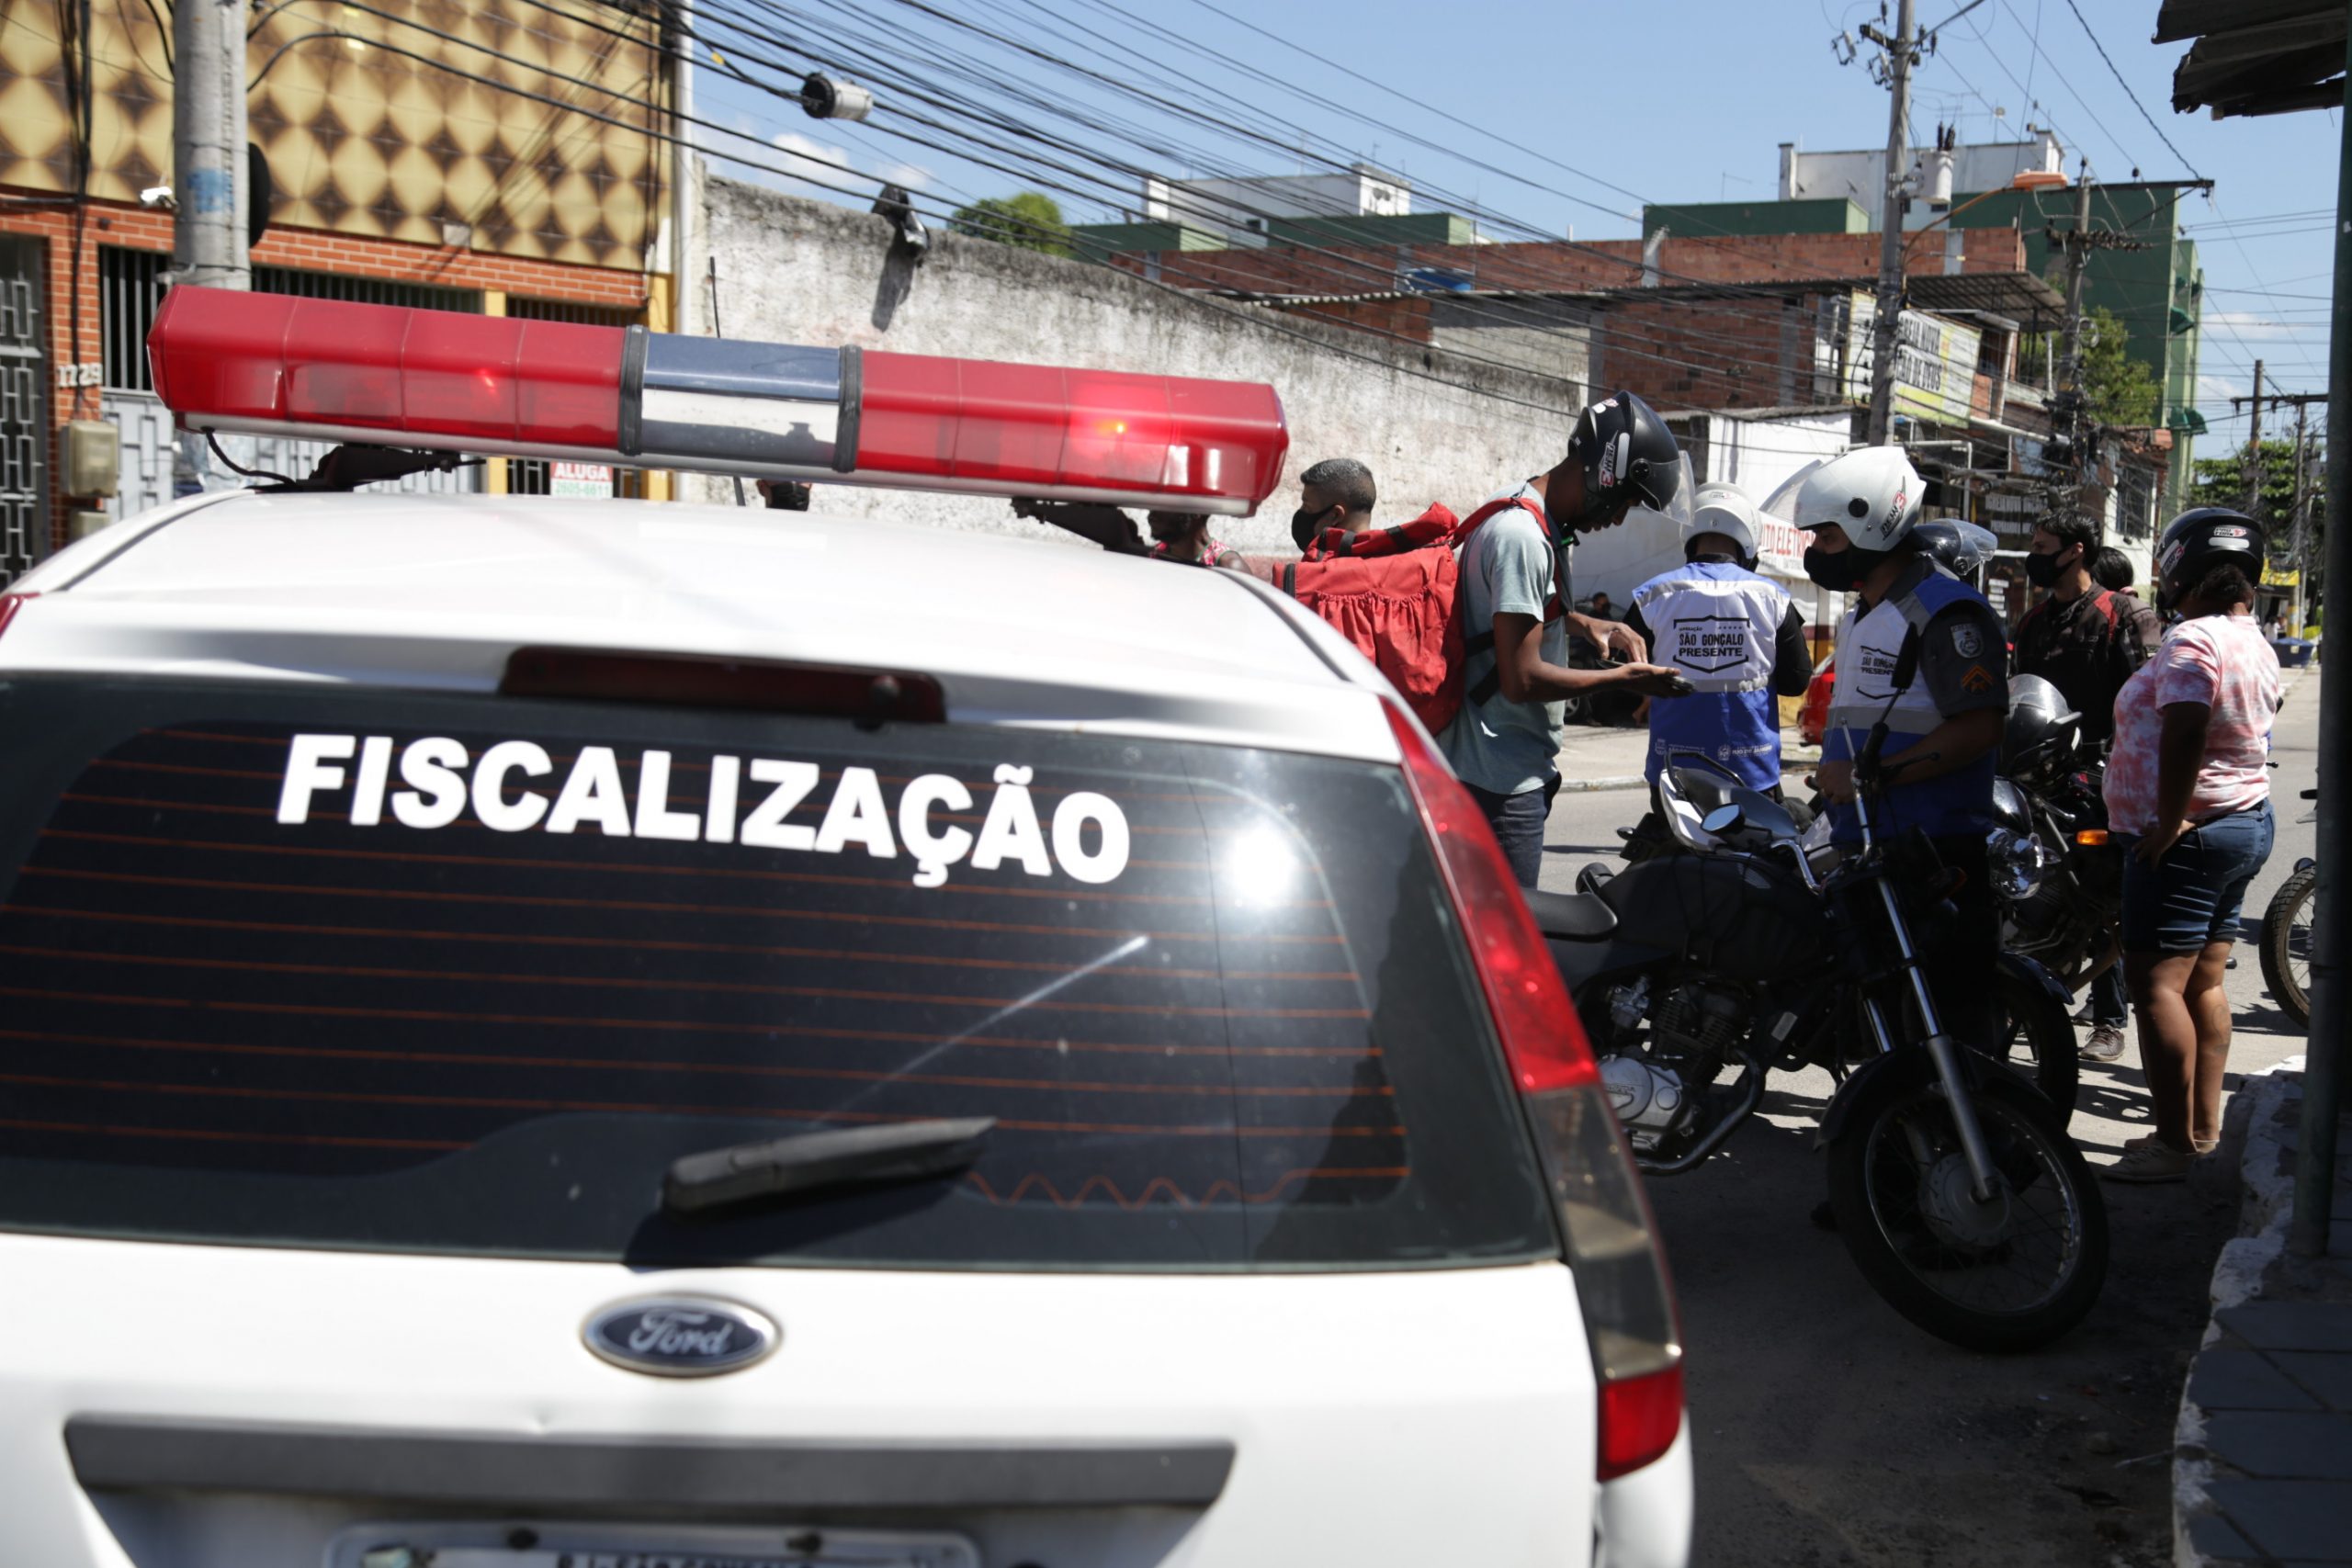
{"x":1978,"y":679}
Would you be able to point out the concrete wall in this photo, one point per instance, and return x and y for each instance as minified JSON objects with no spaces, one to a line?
{"x":796,"y":270}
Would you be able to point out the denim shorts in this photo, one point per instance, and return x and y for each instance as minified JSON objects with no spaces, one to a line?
{"x":2192,"y":896}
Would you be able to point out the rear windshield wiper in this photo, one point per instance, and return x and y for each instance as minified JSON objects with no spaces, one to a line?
{"x":810,"y":1162}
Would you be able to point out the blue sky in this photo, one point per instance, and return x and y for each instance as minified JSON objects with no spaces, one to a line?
{"x":1549,"y":117}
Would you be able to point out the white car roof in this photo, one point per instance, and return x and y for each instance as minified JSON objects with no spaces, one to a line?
{"x":436,"y":591}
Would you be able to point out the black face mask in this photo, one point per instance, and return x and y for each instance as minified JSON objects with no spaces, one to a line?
{"x":1303,"y":525}
{"x":1836,"y":570}
{"x":2042,"y":570}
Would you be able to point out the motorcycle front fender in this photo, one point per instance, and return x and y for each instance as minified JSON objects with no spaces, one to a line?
{"x":2018,"y":966}
{"x":1909,"y":1065}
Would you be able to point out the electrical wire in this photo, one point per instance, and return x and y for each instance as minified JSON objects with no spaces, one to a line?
{"x":2128,"y":92}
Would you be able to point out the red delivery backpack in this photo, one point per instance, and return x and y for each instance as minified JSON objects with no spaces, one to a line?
{"x":1394,"y":593}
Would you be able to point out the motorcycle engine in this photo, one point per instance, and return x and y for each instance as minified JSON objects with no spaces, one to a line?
{"x":1692,"y":1024}
{"x":1648,"y":1100}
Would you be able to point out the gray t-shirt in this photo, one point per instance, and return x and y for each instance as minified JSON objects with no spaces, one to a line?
{"x":1504,"y":747}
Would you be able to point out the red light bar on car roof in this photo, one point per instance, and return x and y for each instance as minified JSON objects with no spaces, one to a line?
{"x":329,"y":371}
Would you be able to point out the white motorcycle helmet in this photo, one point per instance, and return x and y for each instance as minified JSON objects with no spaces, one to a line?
{"x":1871,"y":492}
{"x":1725,"y":509}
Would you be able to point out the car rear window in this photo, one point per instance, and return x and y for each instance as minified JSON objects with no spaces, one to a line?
{"x":400,"y":971}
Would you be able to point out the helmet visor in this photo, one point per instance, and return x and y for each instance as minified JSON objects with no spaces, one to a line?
{"x":1663,"y":493}
{"x":1782,"y":503}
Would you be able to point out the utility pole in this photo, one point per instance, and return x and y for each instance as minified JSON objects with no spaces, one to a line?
{"x":1902,"y":49}
{"x":208,"y":144}
{"x":2078,"y":258}
{"x":2307,"y":1231}
{"x":2299,"y":524}
{"x":2071,"y":430}
{"x":2253,"y":450}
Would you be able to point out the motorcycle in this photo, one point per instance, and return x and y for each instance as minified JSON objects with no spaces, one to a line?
{"x":1954,"y":1186}
{"x":2286,"y":942}
{"x":2057,"y":877}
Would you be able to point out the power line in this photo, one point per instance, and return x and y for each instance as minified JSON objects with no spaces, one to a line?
{"x":2129,"y":92}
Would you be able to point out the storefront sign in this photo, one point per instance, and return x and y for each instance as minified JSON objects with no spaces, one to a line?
{"x":1935,"y":367}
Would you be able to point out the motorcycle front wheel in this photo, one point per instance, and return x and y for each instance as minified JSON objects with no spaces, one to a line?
{"x":2010,"y":1274}
{"x":2038,"y":1039}
{"x":2287,"y":945}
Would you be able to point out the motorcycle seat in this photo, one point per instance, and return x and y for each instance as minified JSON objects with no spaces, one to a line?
{"x":1571,"y":916}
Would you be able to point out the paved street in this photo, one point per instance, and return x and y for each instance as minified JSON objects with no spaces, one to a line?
{"x":1829,"y":1432}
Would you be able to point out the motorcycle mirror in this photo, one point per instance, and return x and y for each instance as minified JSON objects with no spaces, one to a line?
{"x":1761,"y":811}
{"x":1723,"y":820}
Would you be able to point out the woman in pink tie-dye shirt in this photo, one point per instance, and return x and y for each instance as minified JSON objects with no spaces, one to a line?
{"x":2187,"y":786}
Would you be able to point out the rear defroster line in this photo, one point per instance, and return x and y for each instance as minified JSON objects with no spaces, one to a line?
{"x":830,"y":993}
{"x":924,"y":922}
{"x":591,"y":1064}
{"x":572,"y":1022}
{"x":783,"y":1113}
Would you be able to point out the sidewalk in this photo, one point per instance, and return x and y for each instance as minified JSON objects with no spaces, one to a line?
{"x":2262,"y":1457}
{"x":1598,"y":757}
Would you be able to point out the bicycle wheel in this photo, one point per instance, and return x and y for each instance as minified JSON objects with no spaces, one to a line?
{"x":2010,"y":1274}
{"x":2286,"y":945}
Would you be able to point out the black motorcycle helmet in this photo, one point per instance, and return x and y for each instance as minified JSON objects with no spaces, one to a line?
{"x":2040,"y":737}
{"x":1624,"y":446}
{"x":2196,"y":542}
{"x":1962,"y":548}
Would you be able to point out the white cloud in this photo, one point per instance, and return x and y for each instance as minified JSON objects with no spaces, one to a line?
{"x":827,"y":172}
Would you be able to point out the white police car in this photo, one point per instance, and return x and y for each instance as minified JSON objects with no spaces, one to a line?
{"x":550,"y":1032}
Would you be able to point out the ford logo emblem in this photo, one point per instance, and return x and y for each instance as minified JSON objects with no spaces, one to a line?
{"x":680,"y":1336}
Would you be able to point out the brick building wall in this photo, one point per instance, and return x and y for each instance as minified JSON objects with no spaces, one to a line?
{"x":106,"y":224}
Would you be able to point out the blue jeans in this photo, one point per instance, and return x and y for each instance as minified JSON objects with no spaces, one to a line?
{"x":1518,"y":822}
{"x":2107,"y":996}
{"x":2193,"y":896}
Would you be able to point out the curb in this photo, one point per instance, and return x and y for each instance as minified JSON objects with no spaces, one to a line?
{"x":1607,"y":781}
{"x":2265,"y":1173}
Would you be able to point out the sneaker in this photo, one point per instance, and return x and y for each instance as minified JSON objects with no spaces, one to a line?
{"x":2150,"y":1141}
{"x":2106,"y":1043}
{"x":2151,"y":1162}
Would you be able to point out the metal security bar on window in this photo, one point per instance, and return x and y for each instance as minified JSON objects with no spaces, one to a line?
{"x":536,"y":475}
{"x":365,"y":290}
{"x":130,"y":289}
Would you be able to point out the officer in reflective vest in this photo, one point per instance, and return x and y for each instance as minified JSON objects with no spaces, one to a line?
{"x":1943,"y":727}
{"x":1735,"y":637}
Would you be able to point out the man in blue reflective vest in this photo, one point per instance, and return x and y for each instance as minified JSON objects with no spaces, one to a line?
{"x":1944,"y":724}
{"x":1735,"y":635}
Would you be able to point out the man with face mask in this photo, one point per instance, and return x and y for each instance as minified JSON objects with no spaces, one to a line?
{"x":1336,"y":495}
{"x":2086,"y":640}
{"x":1943,"y":723}
{"x":1516,"y":612}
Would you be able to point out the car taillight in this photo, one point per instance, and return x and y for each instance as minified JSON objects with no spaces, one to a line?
{"x":10,"y":604}
{"x":1622,"y":1285}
